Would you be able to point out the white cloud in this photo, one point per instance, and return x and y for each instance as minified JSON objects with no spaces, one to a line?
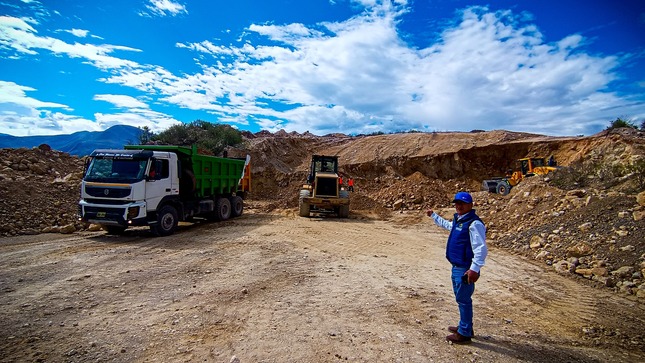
{"x":26,"y":121}
{"x":12,"y":93}
{"x":81,"y":33}
{"x":122,"y":101}
{"x":166,"y":7}
{"x":488,"y":70}
{"x":18,"y":35}
{"x":155,"y":121}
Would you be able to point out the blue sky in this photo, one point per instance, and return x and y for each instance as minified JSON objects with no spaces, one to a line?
{"x":560,"y":67}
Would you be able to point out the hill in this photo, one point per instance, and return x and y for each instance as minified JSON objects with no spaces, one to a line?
{"x":79,"y":143}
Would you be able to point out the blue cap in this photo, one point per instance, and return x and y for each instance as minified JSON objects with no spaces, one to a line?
{"x":463,"y":197}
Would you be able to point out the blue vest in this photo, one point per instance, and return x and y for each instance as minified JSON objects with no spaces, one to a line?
{"x":458,"y":249}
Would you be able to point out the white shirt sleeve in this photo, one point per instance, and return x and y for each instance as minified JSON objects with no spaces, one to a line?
{"x":439,"y":221}
{"x":477,"y":232}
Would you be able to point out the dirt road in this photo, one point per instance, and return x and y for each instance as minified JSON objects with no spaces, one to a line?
{"x":280,"y":288}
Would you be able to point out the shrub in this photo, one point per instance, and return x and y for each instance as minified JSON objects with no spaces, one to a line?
{"x":621,"y":123}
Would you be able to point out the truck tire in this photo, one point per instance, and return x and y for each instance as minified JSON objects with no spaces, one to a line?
{"x":503,"y":188}
{"x":116,"y":230}
{"x":304,"y":207}
{"x":167,"y":221}
{"x":237,"y":206}
{"x":343,"y":211}
{"x":222,"y":209}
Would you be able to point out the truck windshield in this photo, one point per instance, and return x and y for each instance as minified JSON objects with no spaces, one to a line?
{"x":116,"y":170}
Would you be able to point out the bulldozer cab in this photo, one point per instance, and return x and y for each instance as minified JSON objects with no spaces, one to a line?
{"x":528,"y":165}
{"x":322,"y":164}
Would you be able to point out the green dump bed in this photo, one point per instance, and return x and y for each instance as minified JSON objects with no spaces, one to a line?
{"x":213,"y":175}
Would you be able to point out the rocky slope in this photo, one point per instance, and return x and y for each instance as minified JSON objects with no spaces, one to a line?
{"x":588,"y":225}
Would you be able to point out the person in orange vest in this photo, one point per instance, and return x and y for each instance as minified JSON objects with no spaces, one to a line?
{"x":350,"y":184}
{"x":340,"y":180}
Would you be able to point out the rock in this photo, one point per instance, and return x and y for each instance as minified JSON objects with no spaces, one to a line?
{"x":622,"y":233}
{"x":623,"y":272}
{"x":585,"y":227}
{"x":563,"y":267}
{"x":94,"y":228}
{"x":578,"y":193}
{"x":67,"y":229}
{"x":638,"y":215}
{"x":579,"y":250}
{"x":543,"y":255}
{"x":640,"y":199}
{"x":536,"y":242}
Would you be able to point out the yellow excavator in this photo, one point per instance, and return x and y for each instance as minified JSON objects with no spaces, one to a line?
{"x":526,"y":167}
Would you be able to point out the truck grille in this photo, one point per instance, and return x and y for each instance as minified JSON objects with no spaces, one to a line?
{"x":104,"y":213}
{"x":108,"y":192}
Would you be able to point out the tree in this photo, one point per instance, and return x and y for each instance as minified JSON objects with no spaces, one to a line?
{"x":643,"y":125}
{"x":146,"y":135}
{"x":207,"y":136}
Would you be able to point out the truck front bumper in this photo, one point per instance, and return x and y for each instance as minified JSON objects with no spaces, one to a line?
{"x":131,"y":214}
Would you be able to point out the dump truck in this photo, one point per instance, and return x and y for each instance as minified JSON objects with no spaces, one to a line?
{"x":323,"y":192}
{"x":159,"y":186}
{"x":526,"y":167}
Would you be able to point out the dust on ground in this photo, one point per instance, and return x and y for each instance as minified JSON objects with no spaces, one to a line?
{"x":274,"y":287}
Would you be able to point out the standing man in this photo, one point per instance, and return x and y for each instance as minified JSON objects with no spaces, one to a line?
{"x":350,"y":184}
{"x":466,"y":250}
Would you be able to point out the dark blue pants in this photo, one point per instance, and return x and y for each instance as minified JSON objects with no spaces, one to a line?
{"x":463,"y":295}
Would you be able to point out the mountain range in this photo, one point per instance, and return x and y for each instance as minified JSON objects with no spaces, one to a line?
{"x":79,"y":143}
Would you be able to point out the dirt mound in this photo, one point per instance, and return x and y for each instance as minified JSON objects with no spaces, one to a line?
{"x":39,"y":191}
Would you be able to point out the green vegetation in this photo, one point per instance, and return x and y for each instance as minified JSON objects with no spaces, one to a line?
{"x":621,"y":123}
{"x":207,"y":136}
{"x":146,"y":135}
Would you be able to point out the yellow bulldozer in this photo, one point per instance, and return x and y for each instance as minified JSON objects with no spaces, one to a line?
{"x":526,"y":167}
{"x":323,"y":192}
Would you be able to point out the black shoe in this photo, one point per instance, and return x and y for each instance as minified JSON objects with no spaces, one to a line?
{"x":457,"y":338}
{"x":454,"y":329}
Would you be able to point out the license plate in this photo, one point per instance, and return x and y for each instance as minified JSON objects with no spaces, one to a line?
{"x":100,"y":214}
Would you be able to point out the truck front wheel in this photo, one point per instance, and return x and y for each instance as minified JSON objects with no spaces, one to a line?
{"x":167,"y":221}
{"x":304,"y":208}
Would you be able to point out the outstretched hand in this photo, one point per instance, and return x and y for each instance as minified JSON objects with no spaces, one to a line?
{"x":472,"y":276}
{"x":429,"y":212}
